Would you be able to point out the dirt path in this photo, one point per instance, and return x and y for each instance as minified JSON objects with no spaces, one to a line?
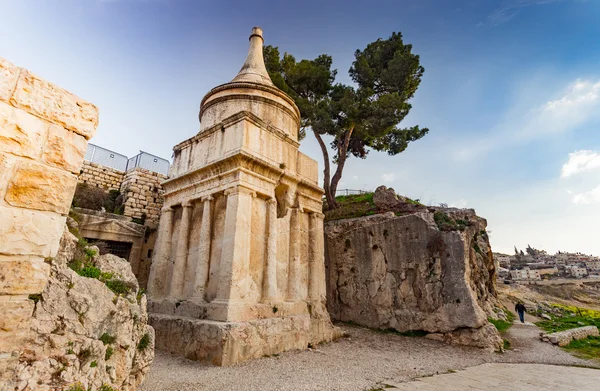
{"x":367,"y":360}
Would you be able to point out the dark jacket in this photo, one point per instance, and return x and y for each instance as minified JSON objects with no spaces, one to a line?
{"x":520,"y":307}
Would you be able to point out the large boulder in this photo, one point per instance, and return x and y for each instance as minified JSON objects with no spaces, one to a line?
{"x":83,"y":333}
{"x":431,"y":271}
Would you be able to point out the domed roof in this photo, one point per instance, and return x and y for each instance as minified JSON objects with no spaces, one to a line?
{"x":251,"y":91}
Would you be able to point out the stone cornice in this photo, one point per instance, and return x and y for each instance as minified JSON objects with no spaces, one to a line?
{"x":229,"y":121}
{"x":240,"y":161}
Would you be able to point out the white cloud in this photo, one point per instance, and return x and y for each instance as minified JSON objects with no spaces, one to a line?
{"x":588,"y":198}
{"x":580,"y":161}
{"x":388,"y":177}
{"x":578,"y":104}
{"x":509,"y":9}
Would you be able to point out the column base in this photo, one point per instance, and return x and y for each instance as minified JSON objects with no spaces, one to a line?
{"x":227,"y":310}
{"x":227,"y":343}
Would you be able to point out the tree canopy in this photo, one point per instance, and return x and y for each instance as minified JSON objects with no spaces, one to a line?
{"x":359,"y":117}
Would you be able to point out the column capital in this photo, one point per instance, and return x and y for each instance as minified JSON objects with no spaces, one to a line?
{"x":316,"y":214}
{"x":239,"y":189}
{"x":272,"y":201}
{"x":166,"y":209}
{"x":207,"y":198}
{"x":187,"y":204}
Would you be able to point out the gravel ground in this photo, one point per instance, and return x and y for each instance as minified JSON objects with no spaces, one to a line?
{"x":366,"y":359}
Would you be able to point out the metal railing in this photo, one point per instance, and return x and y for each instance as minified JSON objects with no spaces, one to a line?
{"x":349,"y":192}
{"x":149,"y":162}
{"x":105,"y":157}
{"x":108,"y":158}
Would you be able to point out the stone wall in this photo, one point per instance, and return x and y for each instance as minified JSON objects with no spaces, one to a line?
{"x":143,"y":194}
{"x":95,"y":174}
{"x":44,"y":131}
{"x":563,"y":338}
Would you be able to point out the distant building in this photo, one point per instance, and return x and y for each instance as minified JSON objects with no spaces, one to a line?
{"x":593,"y":265}
{"x":503,"y":260}
{"x":525,"y":274}
{"x":577,"y":271}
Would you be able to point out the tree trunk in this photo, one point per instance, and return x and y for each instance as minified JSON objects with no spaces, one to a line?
{"x":342,"y":156}
{"x":326,"y":172}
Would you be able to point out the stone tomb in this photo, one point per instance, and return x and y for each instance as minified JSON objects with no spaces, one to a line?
{"x":238,"y":268}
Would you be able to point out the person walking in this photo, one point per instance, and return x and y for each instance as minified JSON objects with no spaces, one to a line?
{"x":520,"y":308}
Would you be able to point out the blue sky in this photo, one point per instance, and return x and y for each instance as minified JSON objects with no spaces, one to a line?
{"x":511,"y":91}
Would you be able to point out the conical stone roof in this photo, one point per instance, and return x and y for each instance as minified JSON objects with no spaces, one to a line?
{"x":254,"y":70}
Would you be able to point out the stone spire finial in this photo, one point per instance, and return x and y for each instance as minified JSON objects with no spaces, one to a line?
{"x":254,"y":70}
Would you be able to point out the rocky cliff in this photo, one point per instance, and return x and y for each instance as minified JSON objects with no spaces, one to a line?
{"x":89,"y":328}
{"x":413,"y":268}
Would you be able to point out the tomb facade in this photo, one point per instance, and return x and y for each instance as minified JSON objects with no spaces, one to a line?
{"x":238,"y":267}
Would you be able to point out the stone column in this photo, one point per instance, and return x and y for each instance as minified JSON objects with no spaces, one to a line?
{"x":293,"y":293}
{"x":157,"y":281}
{"x":235,"y":253}
{"x":177,"y":276}
{"x":203,"y":266}
{"x":316,"y":262}
{"x":270,"y":276}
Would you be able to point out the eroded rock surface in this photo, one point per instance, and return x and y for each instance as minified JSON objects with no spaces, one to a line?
{"x":430,"y":270}
{"x":83,"y":333}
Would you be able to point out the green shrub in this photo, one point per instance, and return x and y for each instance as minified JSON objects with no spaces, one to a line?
{"x":144,"y":342}
{"x":444,"y":222}
{"x":501,"y":325}
{"x":139,"y":295}
{"x":118,"y":286}
{"x":76,"y":387}
{"x":89,"y":197}
{"x":109,"y":353}
{"x":107,"y":339}
{"x":89,"y":271}
{"x":90,"y":252}
{"x":106,"y":387}
{"x":93,"y":364}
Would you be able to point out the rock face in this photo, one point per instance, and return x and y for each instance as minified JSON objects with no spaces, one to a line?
{"x":430,"y":270}
{"x":83,"y":333}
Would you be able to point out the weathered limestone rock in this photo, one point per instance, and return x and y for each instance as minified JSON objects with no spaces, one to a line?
{"x":36,"y":188}
{"x":54,"y":104}
{"x":385,"y":198}
{"x":485,"y":337}
{"x":563,"y":338}
{"x":405,"y":273}
{"x":22,"y":274}
{"x":64,"y":149}
{"x":9,"y":73}
{"x":238,"y":269}
{"x":83,"y":333}
{"x":21,"y":133}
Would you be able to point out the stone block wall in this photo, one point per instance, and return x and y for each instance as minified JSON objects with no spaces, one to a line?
{"x":95,"y":174}
{"x":44,"y":131}
{"x":143,"y":194}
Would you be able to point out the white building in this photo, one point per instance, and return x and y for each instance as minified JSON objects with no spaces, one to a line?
{"x":525,"y":274}
{"x":577,"y":271}
{"x":593,"y":265}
